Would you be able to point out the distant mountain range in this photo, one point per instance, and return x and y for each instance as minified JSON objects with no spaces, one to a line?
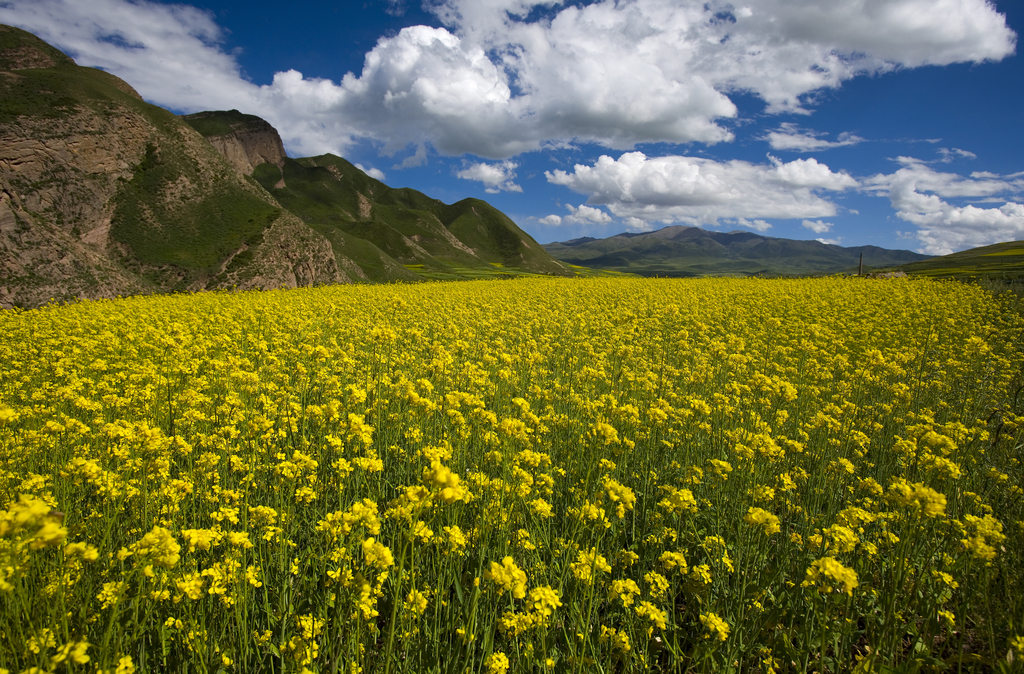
{"x":682,"y":251}
{"x":103,"y":194}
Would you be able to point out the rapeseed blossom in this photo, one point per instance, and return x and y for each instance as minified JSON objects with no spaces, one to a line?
{"x":617,"y":474}
{"x":823,"y":574}
{"x":508,"y":577}
{"x":715,"y":626}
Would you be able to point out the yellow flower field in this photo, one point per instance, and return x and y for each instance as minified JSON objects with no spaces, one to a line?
{"x":600,"y":475}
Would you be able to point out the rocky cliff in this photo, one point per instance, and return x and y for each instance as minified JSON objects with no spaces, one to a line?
{"x":102,"y":194}
{"x":246,"y":141}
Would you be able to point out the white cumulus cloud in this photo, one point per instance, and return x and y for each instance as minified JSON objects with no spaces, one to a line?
{"x":503,"y":77}
{"x":791,"y":137}
{"x":817,"y":226}
{"x":586,"y":215}
{"x":921,"y":197}
{"x":756,"y":225}
{"x":700,"y":191}
{"x":580,"y":215}
{"x":949,"y":156}
{"x":497,"y":177}
{"x":372,"y":172}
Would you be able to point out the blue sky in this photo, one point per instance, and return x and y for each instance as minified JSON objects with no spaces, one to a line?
{"x":894,"y":123}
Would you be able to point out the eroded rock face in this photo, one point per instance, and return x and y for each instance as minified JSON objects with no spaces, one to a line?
{"x":247,"y":142}
{"x":58,"y":181}
{"x":72,"y":160}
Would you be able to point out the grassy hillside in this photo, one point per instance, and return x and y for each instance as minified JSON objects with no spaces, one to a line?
{"x":192,"y":235}
{"x":429,"y":238}
{"x":394,"y":234}
{"x":1000,"y":260}
{"x":176,"y":209}
{"x":679,"y":251}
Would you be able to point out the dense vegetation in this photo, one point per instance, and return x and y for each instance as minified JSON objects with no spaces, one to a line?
{"x":536,"y":475}
{"x":193,"y":233}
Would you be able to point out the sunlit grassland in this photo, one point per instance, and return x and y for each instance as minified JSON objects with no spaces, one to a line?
{"x":529,"y":475}
{"x":998,"y":261}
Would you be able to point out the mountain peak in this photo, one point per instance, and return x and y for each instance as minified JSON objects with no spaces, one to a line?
{"x":245,"y":140}
{"x":21,"y":50}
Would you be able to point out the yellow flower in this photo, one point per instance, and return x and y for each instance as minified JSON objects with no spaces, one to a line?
{"x":377,"y":554}
{"x":125,"y":666}
{"x":588,"y":564}
{"x":81,"y":551}
{"x":617,"y":493}
{"x":701,"y":574}
{"x":648,"y":610}
{"x":842,"y":538}
{"x":421,"y":531}
{"x":159,"y":547}
{"x":203,"y":539}
{"x":442,"y":478}
{"x":715,"y":626}
{"x":678,"y":500}
{"x":657,"y":583}
{"x":496,"y":663}
{"x":541,"y":508}
{"x":508,"y":577}
{"x":73,"y":651}
{"x":988,"y":531}
{"x":825,"y":572}
{"x":191,"y":585}
{"x":456,"y":539}
{"x":111,"y":593}
{"x":763,"y":518}
{"x":619,"y":640}
{"x":625,"y":590}
{"x":544,"y":600}
{"x":918,"y":497}
{"x":604,"y":433}
{"x":673,"y":560}
{"x":416,"y":602}
{"x":721,"y":468}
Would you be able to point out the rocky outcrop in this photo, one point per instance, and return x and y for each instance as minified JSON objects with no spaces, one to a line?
{"x":286,"y":254}
{"x":58,"y":179}
{"x":246,"y":141}
{"x":102,"y":194}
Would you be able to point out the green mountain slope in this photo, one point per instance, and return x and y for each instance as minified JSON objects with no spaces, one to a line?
{"x":103,"y":194}
{"x":692,"y":251}
{"x":429,"y":238}
{"x":1000,"y":260}
{"x":392,"y":234}
{"x":395,"y":234}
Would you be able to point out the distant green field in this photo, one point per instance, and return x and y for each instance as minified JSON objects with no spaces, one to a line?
{"x":1012,"y":251}
{"x":1000,"y":260}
